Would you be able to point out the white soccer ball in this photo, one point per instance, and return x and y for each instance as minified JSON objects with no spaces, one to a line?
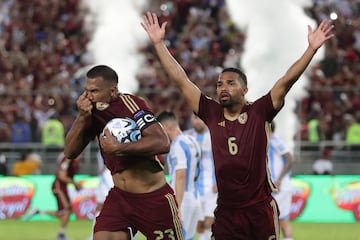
{"x":124,"y":129}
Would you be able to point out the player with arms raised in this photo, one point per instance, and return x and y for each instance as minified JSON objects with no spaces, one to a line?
{"x":239,"y":135}
{"x":140,"y":199}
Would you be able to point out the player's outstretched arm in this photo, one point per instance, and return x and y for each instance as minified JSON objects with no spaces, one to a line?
{"x":316,"y":39}
{"x":177,"y":74}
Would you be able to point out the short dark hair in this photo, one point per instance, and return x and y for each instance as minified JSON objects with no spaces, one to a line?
{"x":166,"y":115}
{"x":106,"y":72}
{"x":238,"y":71}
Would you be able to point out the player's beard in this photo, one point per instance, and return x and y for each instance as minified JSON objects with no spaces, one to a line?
{"x":227,"y":103}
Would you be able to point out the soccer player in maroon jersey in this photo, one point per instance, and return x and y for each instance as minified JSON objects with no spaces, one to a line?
{"x":65,"y":172}
{"x":140,"y":199}
{"x":239,"y":135}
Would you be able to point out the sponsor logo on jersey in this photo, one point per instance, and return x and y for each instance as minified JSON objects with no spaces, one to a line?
{"x":101,"y":106}
{"x":221,"y":124}
{"x":243,"y":118}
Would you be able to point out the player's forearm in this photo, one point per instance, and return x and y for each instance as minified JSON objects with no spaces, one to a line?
{"x":288,"y":165}
{"x":177,"y":74}
{"x":74,"y":140}
{"x":298,"y":68}
{"x":172,"y":67}
{"x":179,"y":190}
{"x":145,"y":146}
{"x":68,"y":180}
{"x":316,"y":39}
{"x":284,"y":84}
{"x":62,"y":176}
{"x":153,"y":141}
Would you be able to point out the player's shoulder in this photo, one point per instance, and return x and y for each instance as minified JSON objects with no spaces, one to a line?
{"x":190,"y":131}
{"x":134,"y":102}
{"x":276,"y":139}
{"x":279,"y":144}
{"x":248,"y":103}
{"x":131,"y":96}
{"x":205,"y":99}
{"x":188,"y":135}
{"x":190,"y":140}
{"x":182,"y":137}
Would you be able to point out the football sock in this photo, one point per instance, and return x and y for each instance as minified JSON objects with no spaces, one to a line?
{"x":62,"y":230}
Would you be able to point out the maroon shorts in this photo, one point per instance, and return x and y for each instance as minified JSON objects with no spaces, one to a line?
{"x":256,"y":222}
{"x":62,"y":196}
{"x":154,"y":214}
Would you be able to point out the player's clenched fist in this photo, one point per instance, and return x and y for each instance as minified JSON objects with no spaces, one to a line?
{"x":84,"y":105}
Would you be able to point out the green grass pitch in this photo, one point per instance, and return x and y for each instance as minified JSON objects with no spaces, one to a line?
{"x":81,"y":230}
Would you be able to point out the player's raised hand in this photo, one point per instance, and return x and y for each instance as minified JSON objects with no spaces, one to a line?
{"x":321,"y":34}
{"x":84,"y":105}
{"x":152,"y":27}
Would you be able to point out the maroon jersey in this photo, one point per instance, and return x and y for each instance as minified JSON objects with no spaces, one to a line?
{"x":59,"y":187}
{"x":239,"y":150}
{"x":70,"y":166}
{"x":125,"y":105}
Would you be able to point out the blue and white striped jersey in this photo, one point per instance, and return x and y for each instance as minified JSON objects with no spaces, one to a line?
{"x":276,"y":161}
{"x":207,"y":178}
{"x":184,"y":153}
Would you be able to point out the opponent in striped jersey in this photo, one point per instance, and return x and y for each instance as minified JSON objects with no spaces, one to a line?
{"x":141,"y":198}
{"x":280,"y":162}
{"x":183,"y":161}
{"x":206,"y":183}
{"x":239,"y":135}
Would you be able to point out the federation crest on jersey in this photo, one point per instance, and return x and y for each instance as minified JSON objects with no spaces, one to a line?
{"x":101,"y":106}
{"x":243,"y":118}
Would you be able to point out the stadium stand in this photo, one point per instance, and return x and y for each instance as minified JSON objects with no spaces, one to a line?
{"x":43,"y":45}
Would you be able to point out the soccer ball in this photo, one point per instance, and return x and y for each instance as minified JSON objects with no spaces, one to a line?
{"x":124,"y":129}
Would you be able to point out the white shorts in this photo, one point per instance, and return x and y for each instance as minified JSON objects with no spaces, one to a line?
{"x":190,"y":214}
{"x":283,"y":199}
{"x":208,"y":204}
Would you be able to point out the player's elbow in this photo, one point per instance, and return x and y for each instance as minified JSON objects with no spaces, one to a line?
{"x":160,"y":140}
{"x":164,"y":145}
{"x":68,"y":153}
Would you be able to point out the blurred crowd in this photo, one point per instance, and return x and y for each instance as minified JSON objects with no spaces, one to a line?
{"x":43,"y":47}
{"x":331,"y":111}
